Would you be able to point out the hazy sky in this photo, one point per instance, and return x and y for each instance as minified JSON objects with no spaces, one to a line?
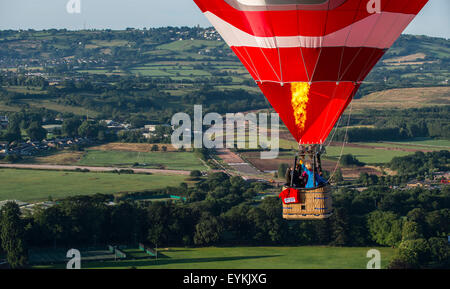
{"x":120,"y":14}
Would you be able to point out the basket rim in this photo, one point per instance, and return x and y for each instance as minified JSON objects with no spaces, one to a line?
{"x":305,"y":189}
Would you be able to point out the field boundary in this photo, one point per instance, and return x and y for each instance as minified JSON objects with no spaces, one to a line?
{"x":92,"y":169}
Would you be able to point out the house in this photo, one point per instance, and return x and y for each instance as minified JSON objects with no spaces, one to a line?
{"x":418,"y":184}
{"x":147,"y":135}
{"x":115,"y":125}
{"x":414,"y":184}
{"x":150,"y":127}
{"x":108,"y":122}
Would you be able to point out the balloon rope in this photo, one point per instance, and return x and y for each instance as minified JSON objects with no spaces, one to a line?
{"x":334,"y":132}
{"x":343,"y":143}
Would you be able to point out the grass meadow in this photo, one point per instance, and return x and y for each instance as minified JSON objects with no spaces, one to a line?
{"x":308,"y":257}
{"x":366,"y":155}
{"x":39,"y":185}
{"x":160,"y":160}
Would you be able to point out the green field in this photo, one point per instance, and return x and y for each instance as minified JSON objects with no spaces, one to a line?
{"x":366,"y":155}
{"x":380,"y":152}
{"x":189,"y":45}
{"x":385,"y":151}
{"x":310,"y":257}
{"x":25,"y":90}
{"x":426,"y":142}
{"x":163,"y":160}
{"x":172,"y":71}
{"x":38,"y":185}
{"x":48,"y":104}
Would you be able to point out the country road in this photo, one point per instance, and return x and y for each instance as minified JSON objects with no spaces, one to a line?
{"x":92,"y":169}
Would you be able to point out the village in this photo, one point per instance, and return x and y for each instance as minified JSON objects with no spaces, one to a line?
{"x":55,"y":140}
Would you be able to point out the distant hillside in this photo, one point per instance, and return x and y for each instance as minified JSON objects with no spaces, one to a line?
{"x":107,"y":73}
{"x":404,"y":98}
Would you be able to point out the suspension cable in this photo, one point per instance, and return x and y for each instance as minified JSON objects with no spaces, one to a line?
{"x":343,"y":143}
{"x":334,"y":132}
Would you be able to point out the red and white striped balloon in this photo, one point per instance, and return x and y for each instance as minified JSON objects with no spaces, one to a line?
{"x":329,"y":45}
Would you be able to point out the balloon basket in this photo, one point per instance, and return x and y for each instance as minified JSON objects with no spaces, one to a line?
{"x":312,"y":204}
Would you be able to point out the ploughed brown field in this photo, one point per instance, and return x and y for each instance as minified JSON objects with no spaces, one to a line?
{"x":328,"y":165}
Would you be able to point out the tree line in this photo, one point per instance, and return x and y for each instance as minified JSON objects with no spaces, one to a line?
{"x":398,"y":125}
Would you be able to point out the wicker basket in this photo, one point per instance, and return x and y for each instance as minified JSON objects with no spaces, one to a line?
{"x":313,"y":204}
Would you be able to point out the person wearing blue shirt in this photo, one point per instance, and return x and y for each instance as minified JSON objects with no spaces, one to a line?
{"x":310,"y":183}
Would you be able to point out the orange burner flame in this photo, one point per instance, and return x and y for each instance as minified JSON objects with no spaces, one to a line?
{"x":300,"y":91}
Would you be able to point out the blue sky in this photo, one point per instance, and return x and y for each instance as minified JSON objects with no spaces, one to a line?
{"x":120,"y":14}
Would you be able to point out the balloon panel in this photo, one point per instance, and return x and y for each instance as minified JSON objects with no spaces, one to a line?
{"x":326,"y":102}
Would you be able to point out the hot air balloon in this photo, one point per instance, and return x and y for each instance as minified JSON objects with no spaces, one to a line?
{"x":309,"y":58}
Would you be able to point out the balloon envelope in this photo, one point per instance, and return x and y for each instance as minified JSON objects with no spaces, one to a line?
{"x":309,"y":57}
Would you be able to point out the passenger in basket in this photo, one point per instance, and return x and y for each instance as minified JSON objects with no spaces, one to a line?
{"x":310,"y":182}
{"x":288,"y":176}
{"x":303,"y":179}
{"x":295,"y":177}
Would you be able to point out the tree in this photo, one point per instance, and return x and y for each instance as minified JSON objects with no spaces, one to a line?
{"x":12,"y":235}
{"x":195,"y":174}
{"x":70,"y":127}
{"x":274,"y":226}
{"x":411,"y":230}
{"x":437,"y":223}
{"x":88,"y":129}
{"x":208,"y":230}
{"x":36,"y":132}
{"x":439,"y":252}
{"x":350,"y":160}
{"x":282,"y":168}
{"x":13,"y":133}
{"x":340,"y":225}
{"x":338,"y":176}
{"x":155,"y":234}
{"x":158,"y":214}
{"x":52,"y":225}
{"x":416,"y":253}
{"x":385,"y":228}
{"x":138,"y":121}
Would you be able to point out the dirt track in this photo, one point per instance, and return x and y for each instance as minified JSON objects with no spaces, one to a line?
{"x":93,"y":169}
{"x":236,"y":162}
